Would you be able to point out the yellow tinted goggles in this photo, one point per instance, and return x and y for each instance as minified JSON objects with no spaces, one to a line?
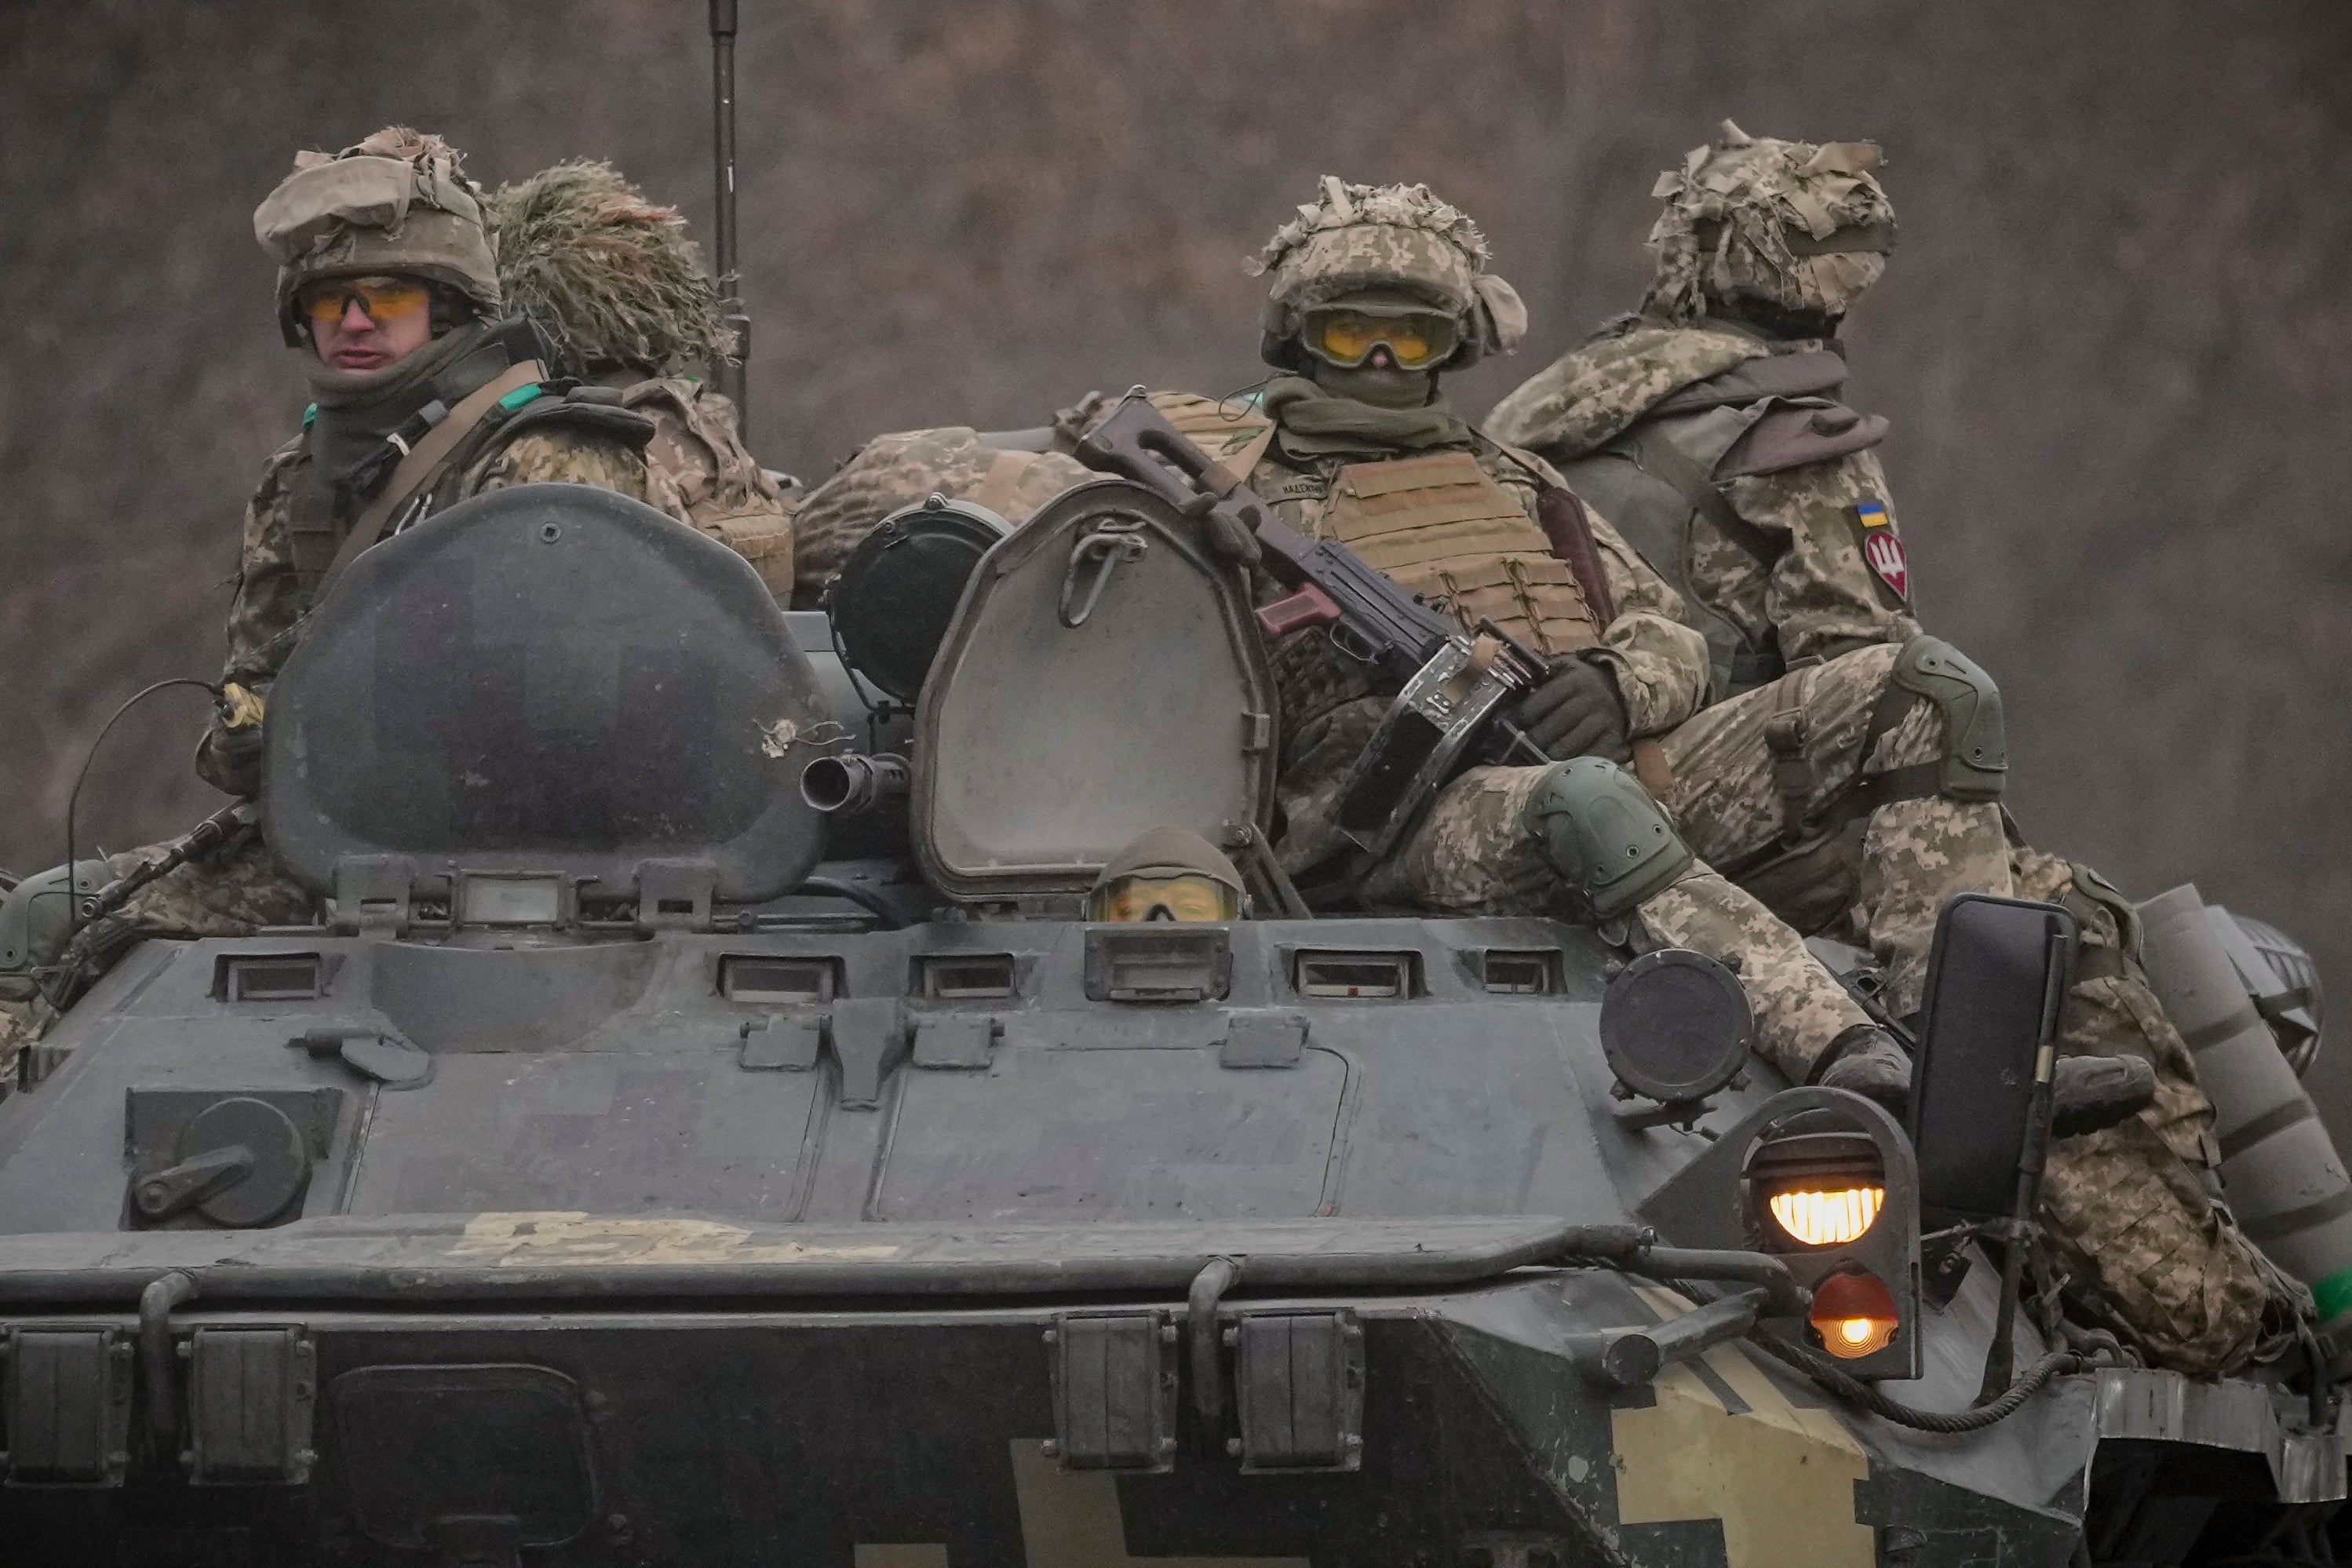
{"x":1346,"y":337}
{"x":381,"y":300}
{"x":1184,"y":896}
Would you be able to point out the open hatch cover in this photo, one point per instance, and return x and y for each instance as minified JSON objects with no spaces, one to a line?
{"x":547,"y":678}
{"x":1102,"y":677}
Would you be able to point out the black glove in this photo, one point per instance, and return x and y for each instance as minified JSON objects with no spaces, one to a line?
{"x":1228,"y":535}
{"x":1577,"y":712}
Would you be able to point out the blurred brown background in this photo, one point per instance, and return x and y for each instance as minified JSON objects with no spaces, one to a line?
{"x":2113,"y":342}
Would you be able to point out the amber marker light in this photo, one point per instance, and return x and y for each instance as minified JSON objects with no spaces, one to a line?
{"x":1826,"y":1217}
{"x":1855,"y":1314}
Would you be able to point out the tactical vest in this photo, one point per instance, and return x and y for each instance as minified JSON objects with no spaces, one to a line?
{"x":1444,"y":529}
{"x":1656,"y":479}
{"x":697,"y":447}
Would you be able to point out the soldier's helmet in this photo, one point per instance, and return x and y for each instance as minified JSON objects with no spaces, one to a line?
{"x":1797,"y":225}
{"x":1167,"y":874}
{"x":1362,"y":255}
{"x":609,"y":276}
{"x":397,"y":204}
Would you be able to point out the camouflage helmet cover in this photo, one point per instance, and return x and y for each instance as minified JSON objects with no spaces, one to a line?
{"x":1354,"y":241}
{"x":398,"y":202}
{"x":610,"y":275}
{"x":1803,"y":227}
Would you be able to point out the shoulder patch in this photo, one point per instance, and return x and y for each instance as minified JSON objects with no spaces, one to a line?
{"x":1881,"y":547}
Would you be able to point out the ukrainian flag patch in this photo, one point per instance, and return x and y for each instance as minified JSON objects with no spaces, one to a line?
{"x":1881,"y":547}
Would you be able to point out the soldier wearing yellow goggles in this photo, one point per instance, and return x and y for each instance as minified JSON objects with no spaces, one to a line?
{"x":1347,"y":335}
{"x":1167,"y":874}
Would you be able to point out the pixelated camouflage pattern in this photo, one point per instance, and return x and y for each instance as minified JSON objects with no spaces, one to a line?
{"x":2148,"y":1255}
{"x":1913,"y":854}
{"x":267,"y":606}
{"x":2131,"y":1218}
{"x":901,"y":468}
{"x":1817,"y":595}
{"x":1356,"y":239}
{"x":1659,"y":662}
{"x":21,"y":1024}
{"x":1754,"y":194}
{"x":2111,"y":1009}
{"x":1821,"y":594}
{"x":1476,"y":854}
{"x":236,"y":891}
{"x":556,"y":455}
{"x":1591,"y":395}
{"x":699,"y":472}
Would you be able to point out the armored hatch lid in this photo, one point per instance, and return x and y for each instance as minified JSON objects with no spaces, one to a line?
{"x":547,"y":678}
{"x":1102,"y":677}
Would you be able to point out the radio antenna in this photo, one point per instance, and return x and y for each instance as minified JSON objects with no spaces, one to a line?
{"x":731,"y":373}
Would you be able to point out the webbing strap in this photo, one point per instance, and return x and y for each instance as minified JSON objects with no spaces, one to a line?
{"x":1795,"y":777}
{"x":1568,"y":529}
{"x":423,"y":462}
{"x":1656,"y":453}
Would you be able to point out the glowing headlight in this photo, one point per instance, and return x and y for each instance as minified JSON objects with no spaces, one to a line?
{"x":1826,"y":1218}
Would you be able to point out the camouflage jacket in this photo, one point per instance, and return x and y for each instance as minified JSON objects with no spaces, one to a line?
{"x":699,"y":472}
{"x":267,"y":607}
{"x":1729,"y":462}
{"x":1329,"y":713}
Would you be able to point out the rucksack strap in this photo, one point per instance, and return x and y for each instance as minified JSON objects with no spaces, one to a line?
{"x":423,"y":462}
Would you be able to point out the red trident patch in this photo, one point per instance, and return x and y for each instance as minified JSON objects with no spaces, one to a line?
{"x":1882,"y":548}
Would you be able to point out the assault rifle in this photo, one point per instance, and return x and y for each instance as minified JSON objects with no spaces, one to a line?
{"x":1448,"y":691}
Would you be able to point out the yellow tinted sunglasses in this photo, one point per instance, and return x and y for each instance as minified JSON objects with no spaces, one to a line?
{"x":381,"y":300}
{"x":1187,"y":896}
{"x":1416,"y":340}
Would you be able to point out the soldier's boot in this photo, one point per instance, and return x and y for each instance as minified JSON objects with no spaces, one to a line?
{"x":1621,"y":860}
{"x":1866,"y":1061}
{"x":2090,"y":1094}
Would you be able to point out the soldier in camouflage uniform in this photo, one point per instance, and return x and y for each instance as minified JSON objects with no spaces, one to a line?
{"x":620,"y":291}
{"x":1708,"y":426}
{"x":408,"y":429}
{"x":426,"y":394}
{"x":1375,"y":292}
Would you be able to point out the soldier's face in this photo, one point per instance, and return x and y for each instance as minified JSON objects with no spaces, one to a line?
{"x":1378,"y":381}
{"x":368,"y":324}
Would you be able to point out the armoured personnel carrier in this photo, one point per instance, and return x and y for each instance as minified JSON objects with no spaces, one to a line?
{"x":618,"y":1175}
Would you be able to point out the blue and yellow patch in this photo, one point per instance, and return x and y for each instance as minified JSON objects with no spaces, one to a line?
{"x":1871,"y":514}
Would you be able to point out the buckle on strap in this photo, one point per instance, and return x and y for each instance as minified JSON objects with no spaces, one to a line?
{"x":1795,"y":777}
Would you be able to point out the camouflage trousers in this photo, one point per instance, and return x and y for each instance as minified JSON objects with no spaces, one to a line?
{"x":1879,"y":881}
{"x":1474,"y":854}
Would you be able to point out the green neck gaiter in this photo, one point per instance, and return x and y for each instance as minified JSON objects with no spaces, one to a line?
{"x":1312,"y":423}
{"x":355,"y":413}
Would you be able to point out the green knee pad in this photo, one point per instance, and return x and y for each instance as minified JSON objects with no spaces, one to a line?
{"x":1976,"y":737}
{"x":1605,"y":835}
